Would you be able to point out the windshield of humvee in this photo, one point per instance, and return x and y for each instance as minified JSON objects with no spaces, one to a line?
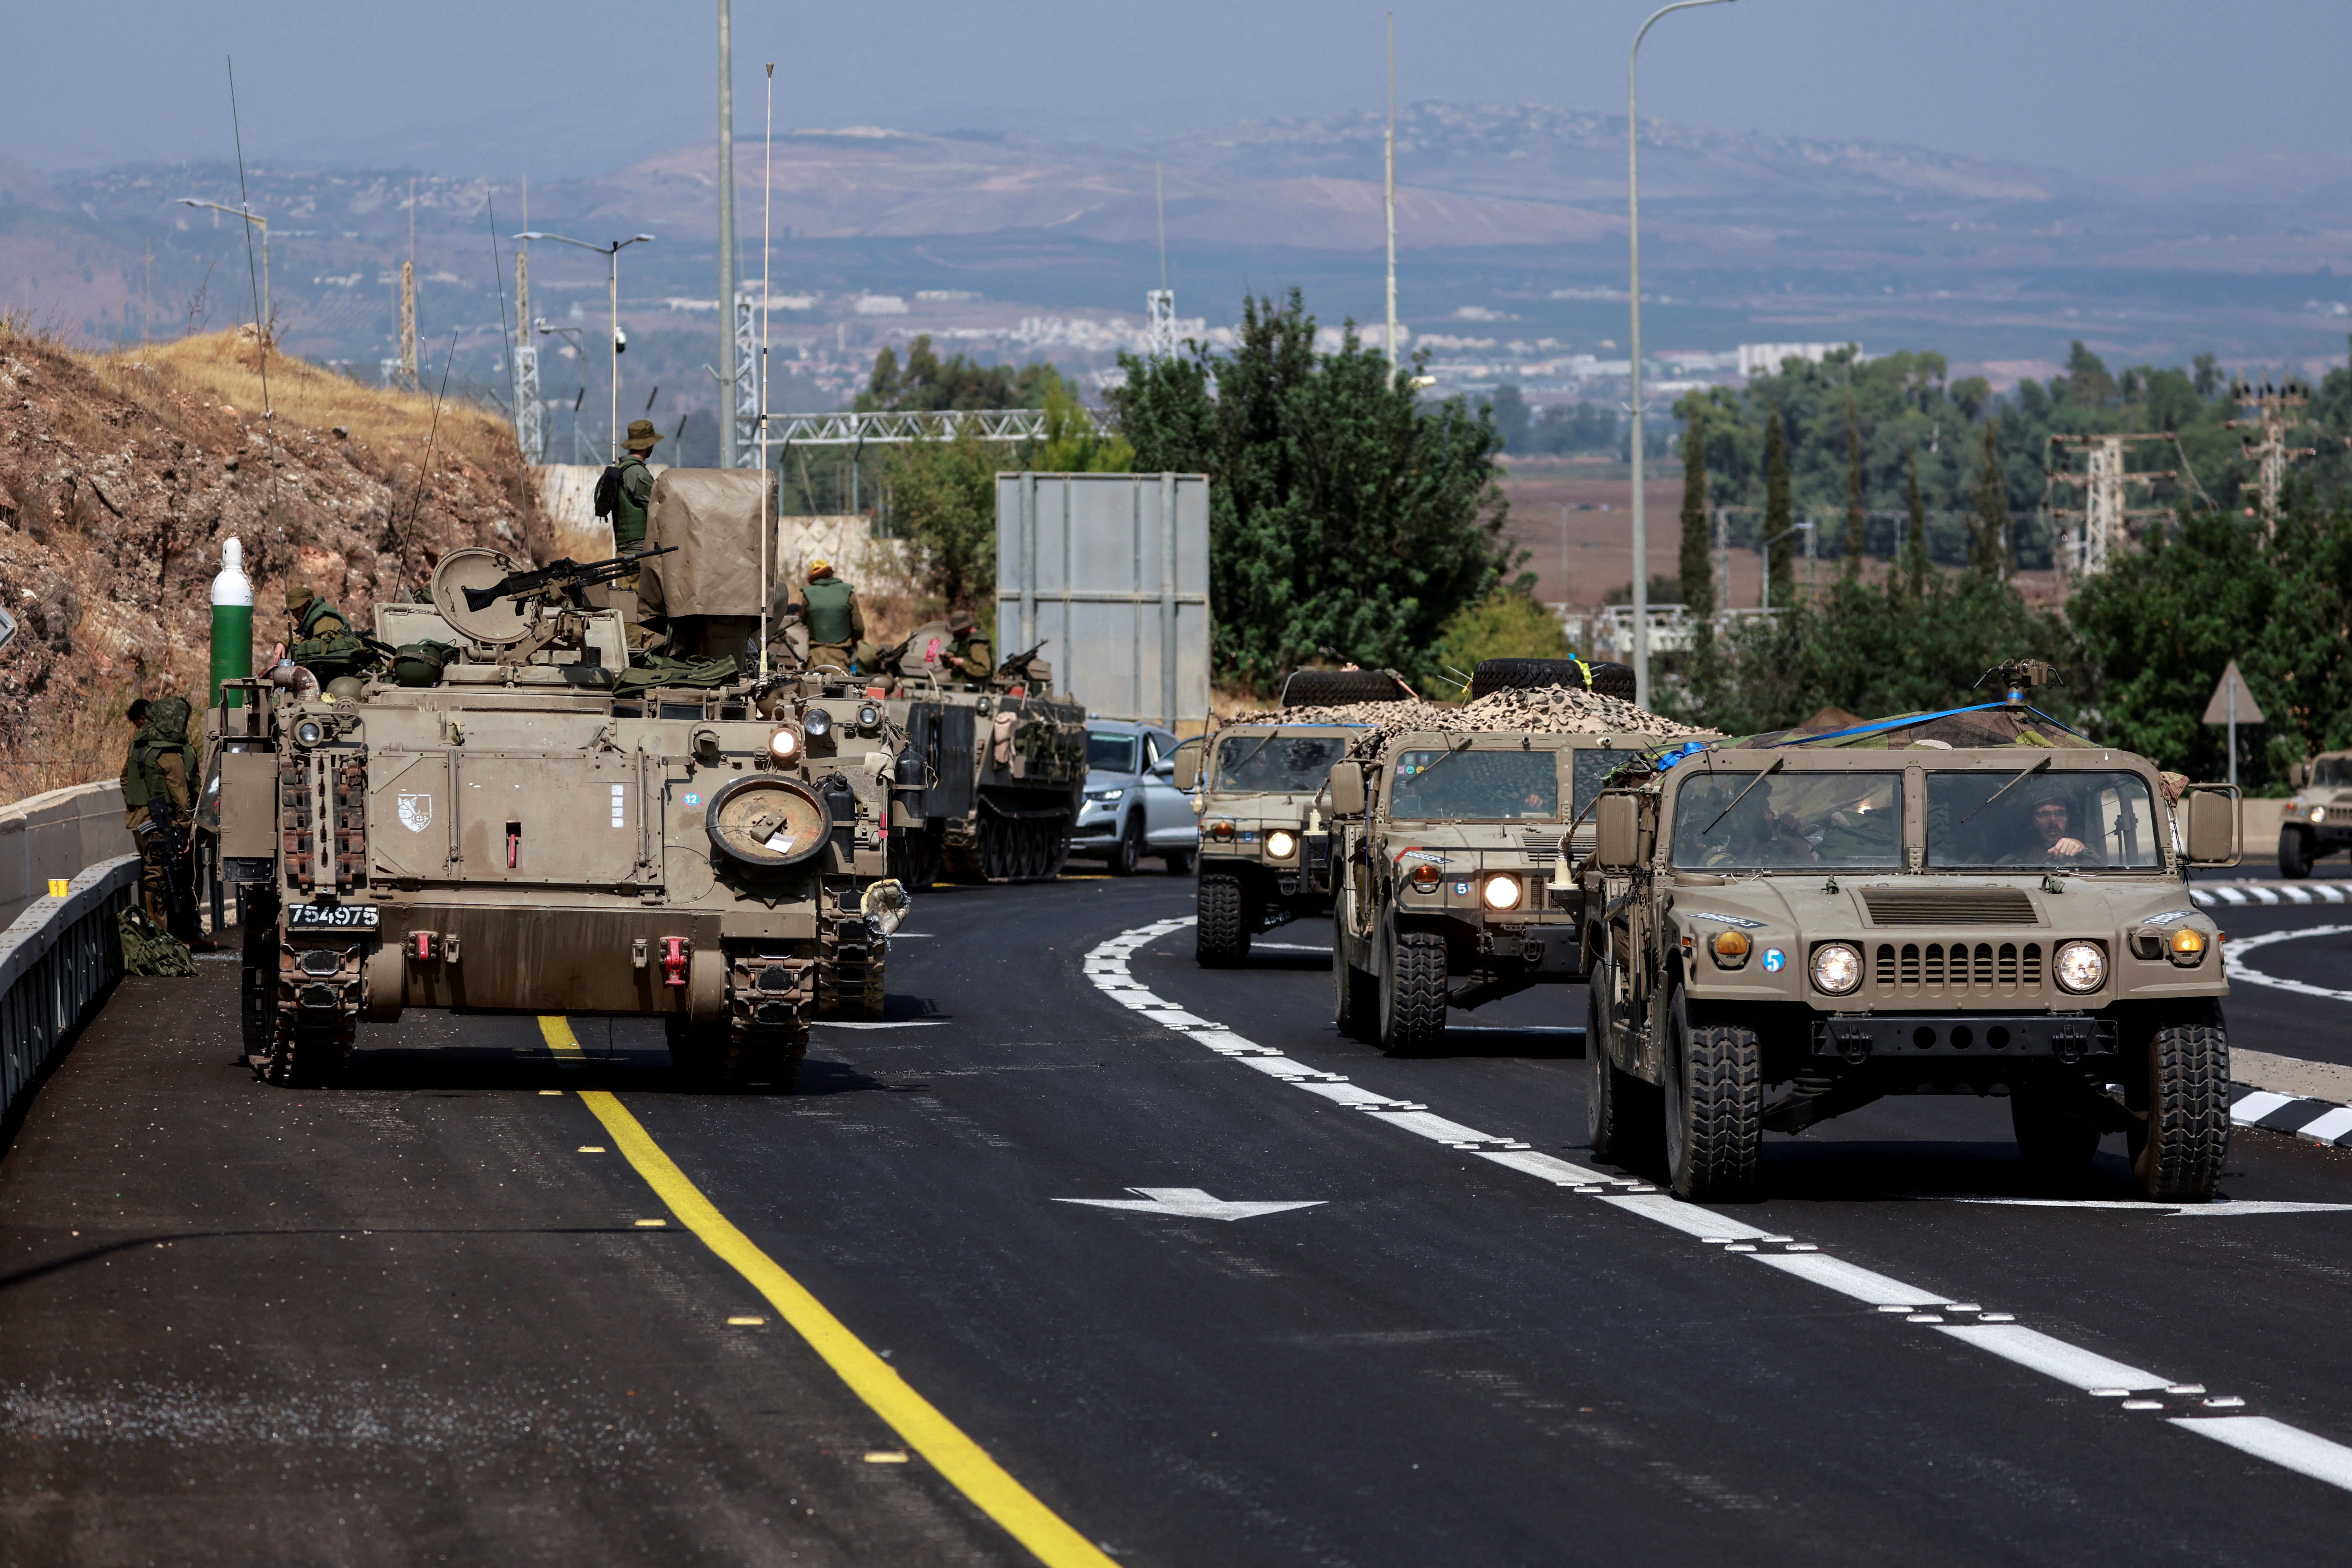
{"x":2070,"y":818}
{"x":1593,"y":766}
{"x":1276,"y":764}
{"x":1474,"y":787}
{"x":2332,"y":772}
{"x":1790,"y":821}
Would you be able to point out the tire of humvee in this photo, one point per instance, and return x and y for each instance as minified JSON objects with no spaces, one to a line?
{"x":1333,"y":688}
{"x":1714,"y":1110}
{"x":1609,"y":679}
{"x":2295,"y":854}
{"x":1412,"y":996}
{"x":1221,"y":934}
{"x":1624,"y":1118}
{"x":1355,"y":1000}
{"x":2053,"y":1140}
{"x":2177,"y":1151}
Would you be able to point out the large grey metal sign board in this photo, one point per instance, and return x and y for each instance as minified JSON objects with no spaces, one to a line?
{"x":1112,"y":572}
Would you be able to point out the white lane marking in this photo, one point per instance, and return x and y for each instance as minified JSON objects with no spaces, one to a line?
{"x":2287,"y":1446}
{"x":2054,"y":1358}
{"x":2257,"y":1105}
{"x":2220,"y":1208}
{"x":2329,"y":892}
{"x":1347,"y":1093}
{"x":1189,"y":1203}
{"x":2281,"y":1443}
{"x":2296,"y":895}
{"x":890,"y":1023}
{"x":2235,"y":965}
{"x":1289,"y":947}
{"x":1845,"y":1278}
{"x":2328,"y":1128}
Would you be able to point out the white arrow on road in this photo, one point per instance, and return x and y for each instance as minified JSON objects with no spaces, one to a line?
{"x":1187,"y":1202}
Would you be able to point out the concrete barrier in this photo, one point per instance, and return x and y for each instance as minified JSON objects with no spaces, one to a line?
{"x":2258,"y":829}
{"x":58,"y":836}
{"x":58,"y":959}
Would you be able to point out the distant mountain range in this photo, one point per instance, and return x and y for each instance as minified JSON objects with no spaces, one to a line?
{"x":1511,"y":222}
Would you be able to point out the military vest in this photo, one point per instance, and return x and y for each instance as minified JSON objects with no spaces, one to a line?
{"x":623,"y":504}
{"x":143,"y":781}
{"x":829,"y":600}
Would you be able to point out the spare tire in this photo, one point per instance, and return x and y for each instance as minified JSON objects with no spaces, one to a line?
{"x":1524,"y":674}
{"x":1333,"y":688}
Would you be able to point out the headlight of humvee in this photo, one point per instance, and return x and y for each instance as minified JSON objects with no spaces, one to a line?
{"x":2081,"y":966}
{"x":1837,"y":968}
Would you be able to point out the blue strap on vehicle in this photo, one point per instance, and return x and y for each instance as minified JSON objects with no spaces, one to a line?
{"x":1882,"y":725}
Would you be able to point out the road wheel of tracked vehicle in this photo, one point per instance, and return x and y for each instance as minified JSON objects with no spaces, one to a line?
{"x":1221,"y":934}
{"x":737,"y":1054}
{"x":1714,"y":1120}
{"x":1333,"y":688}
{"x":1355,"y":1000}
{"x":2294,"y":854}
{"x":915,"y":856}
{"x":313,"y":1052}
{"x":1413,"y":995}
{"x":2182,"y":1135}
{"x":1128,"y":852}
{"x":1623,"y":1116}
{"x":2053,"y":1140}
{"x":1057,"y":847}
{"x":257,"y":977}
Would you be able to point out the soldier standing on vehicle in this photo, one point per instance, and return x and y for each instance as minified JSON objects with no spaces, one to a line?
{"x":158,"y":793}
{"x":323,"y":641}
{"x":835,"y":623}
{"x":625,"y":491}
{"x":968,"y":654}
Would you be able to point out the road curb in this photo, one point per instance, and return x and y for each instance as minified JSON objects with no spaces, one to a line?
{"x":2322,"y":1122}
{"x":2234,"y":895}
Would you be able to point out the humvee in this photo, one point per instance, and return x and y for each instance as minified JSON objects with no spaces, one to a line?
{"x":1258,"y":782}
{"x":1784,"y":928}
{"x":525,"y":820}
{"x":2318,"y":820}
{"x":1441,"y":863}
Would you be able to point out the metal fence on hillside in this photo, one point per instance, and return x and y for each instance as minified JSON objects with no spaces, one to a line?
{"x":57,"y":962}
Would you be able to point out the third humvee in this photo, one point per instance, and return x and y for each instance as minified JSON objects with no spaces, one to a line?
{"x":2318,"y":820}
{"x":1257,"y":786}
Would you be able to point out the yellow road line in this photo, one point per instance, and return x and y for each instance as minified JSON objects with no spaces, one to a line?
{"x":559,"y":1039}
{"x":963,"y":1462}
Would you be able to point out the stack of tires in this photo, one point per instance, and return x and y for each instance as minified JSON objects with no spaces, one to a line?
{"x":1495,"y":675}
{"x":1337,"y":688}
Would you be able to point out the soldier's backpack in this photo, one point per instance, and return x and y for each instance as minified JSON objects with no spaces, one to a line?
{"x":608,"y":491}
{"x":148,"y":948}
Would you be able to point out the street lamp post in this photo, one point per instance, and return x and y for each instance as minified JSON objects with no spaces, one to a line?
{"x":258,"y":222}
{"x":612,"y":254}
{"x":1633,"y":238}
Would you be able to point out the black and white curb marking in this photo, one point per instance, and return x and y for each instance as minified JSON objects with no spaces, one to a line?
{"x":2187,"y":1405}
{"x":2313,"y":1120}
{"x":2207,"y":895}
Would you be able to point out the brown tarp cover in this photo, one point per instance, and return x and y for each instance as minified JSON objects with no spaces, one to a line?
{"x":715,"y":518}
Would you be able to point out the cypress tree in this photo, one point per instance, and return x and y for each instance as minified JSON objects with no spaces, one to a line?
{"x":1914,"y":538}
{"x":1854,"y":522}
{"x":1697,"y":553}
{"x":1989,"y":539}
{"x":1779,"y":517}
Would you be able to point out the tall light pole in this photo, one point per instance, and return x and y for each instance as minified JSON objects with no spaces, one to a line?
{"x":1390,"y":206}
{"x":258,"y":222}
{"x":730,"y":394}
{"x":612,"y":254}
{"x":1634,"y":239}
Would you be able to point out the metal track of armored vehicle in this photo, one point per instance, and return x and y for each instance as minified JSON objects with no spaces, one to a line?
{"x":995,"y":773}
{"x":1787,"y":927}
{"x":1257,"y":786}
{"x":1441,"y":867}
{"x":534,"y":826}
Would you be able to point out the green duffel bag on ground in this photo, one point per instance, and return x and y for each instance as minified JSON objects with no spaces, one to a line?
{"x":148,"y":949}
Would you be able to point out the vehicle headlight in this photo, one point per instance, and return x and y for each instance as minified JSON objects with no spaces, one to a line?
{"x":817,"y":722}
{"x":1501,"y":892}
{"x":1106,"y":795}
{"x":1730,"y":948}
{"x":784,"y":744}
{"x":2081,"y":966}
{"x":1280,"y":845}
{"x":1222,"y":831}
{"x":1425,"y":878}
{"x":2188,"y":946}
{"x":2318,"y":813}
{"x":868,"y":716}
{"x":1837,"y":968}
{"x":308,"y":732}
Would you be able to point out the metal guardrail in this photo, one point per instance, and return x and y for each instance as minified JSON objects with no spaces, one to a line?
{"x":55,"y":962}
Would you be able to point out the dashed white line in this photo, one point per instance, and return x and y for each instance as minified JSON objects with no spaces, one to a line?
{"x":2234,"y":965}
{"x":1995,"y":1332}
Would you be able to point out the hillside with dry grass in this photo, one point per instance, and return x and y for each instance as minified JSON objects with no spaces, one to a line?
{"x":120,"y":474}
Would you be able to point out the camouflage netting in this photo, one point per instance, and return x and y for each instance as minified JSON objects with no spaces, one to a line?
{"x":1541,"y":709}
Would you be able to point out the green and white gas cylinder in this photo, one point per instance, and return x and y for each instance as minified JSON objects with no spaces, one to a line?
{"x":232,"y":621}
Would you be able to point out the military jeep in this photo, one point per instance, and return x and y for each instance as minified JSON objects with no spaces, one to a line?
{"x":1257,"y":786}
{"x":1441,"y":866}
{"x":2318,"y":820}
{"x":1785,"y":928}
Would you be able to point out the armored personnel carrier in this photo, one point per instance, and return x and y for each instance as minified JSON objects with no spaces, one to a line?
{"x":1441,"y":867}
{"x":1786,"y":927}
{"x":1258,"y":784}
{"x":993,"y":773}
{"x":521,"y":819}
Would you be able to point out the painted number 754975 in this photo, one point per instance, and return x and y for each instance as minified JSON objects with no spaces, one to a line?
{"x":333,"y":917}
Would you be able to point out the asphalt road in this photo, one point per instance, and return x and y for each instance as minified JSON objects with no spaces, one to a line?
{"x":418,"y":1320}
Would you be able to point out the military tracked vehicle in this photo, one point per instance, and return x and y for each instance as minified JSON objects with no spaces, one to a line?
{"x":992,"y":774}
{"x":1442,"y":868}
{"x":1786,"y":927}
{"x":522,"y":819}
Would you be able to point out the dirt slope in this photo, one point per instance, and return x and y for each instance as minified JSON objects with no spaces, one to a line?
{"x":119,"y":476}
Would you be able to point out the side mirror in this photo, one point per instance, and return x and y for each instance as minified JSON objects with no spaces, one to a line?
{"x":1346,"y":787}
{"x":1617,"y":834}
{"x":2298,"y":776}
{"x":1165,"y":768}
{"x":1184,"y":764}
{"x":2212,"y":825}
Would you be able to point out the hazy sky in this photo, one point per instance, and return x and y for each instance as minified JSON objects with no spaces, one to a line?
{"x":2134,"y":91}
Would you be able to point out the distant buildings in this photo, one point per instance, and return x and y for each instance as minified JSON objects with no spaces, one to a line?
{"x":1764,"y":359}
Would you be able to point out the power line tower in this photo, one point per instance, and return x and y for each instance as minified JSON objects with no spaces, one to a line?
{"x":1160,"y":304}
{"x":405,"y":370}
{"x":2106,"y":519}
{"x":2269,"y":451}
{"x":747,"y":383}
{"x":530,"y":414}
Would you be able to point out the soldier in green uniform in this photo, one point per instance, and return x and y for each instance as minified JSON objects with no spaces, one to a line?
{"x":968,"y":656}
{"x":159,"y":789}
{"x":323,"y":641}
{"x":835,"y":625}
{"x":626,"y":490}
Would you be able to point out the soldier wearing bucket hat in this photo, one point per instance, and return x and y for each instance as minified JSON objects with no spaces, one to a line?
{"x":626,"y":488}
